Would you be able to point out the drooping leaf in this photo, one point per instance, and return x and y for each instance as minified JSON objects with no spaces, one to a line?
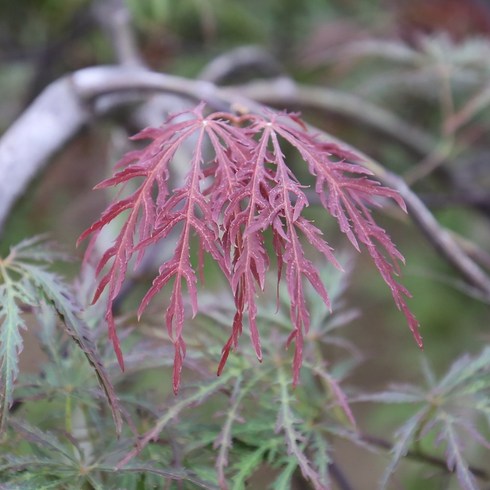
{"x":390,"y":397}
{"x":239,"y":185}
{"x":404,"y":437}
{"x":287,"y":423}
{"x":25,"y":280}
{"x":44,"y":439}
{"x":223,"y":441}
{"x":38,"y":249}
{"x":464,"y":369}
{"x":452,"y":408}
{"x":346,"y":190}
{"x":283,"y":481}
{"x":68,"y":310}
{"x":249,"y":463}
{"x":454,"y":455}
{"x":321,"y":456}
{"x":336,"y":391}
{"x":177,"y":474}
{"x":16,"y":464}
{"x":11,"y":295}
{"x":197,"y":396}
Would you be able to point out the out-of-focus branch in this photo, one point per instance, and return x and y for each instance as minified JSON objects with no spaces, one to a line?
{"x":42,"y":130}
{"x":67,"y":104}
{"x":251,"y":59}
{"x":285,"y":93}
{"x":440,"y":238}
{"x":339,"y":476}
{"x":46,"y":61}
{"x":62,"y":109}
{"x":477,"y":103}
{"x":115,"y":19}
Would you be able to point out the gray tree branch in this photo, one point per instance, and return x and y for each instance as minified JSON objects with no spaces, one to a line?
{"x":42,"y":130}
{"x":69,"y":103}
{"x":286,"y":93}
{"x":62,"y":109}
{"x":115,"y":19}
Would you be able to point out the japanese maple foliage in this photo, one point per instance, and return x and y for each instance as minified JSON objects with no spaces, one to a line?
{"x":238,"y":186}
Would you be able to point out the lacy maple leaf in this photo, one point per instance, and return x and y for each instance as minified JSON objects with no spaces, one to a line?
{"x":238,"y":185}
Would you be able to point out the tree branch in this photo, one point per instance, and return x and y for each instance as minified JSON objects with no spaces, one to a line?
{"x":245,"y":59}
{"x":69,"y":103}
{"x":65,"y":106}
{"x":42,"y":130}
{"x":440,"y":238}
{"x":115,"y":19}
{"x":339,"y":477}
{"x":285,"y":92}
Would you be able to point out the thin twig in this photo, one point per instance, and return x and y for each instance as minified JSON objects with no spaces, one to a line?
{"x":477,"y":103}
{"x":430,"y":162}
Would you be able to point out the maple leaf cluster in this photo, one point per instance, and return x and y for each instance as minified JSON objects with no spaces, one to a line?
{"x":238,"y":186}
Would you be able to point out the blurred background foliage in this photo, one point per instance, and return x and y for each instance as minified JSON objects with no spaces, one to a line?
{"x":428,"y":61}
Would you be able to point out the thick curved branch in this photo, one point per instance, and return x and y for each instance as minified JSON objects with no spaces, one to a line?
{"x":67,"y":104}
{"x":64,"y":107}
{"x":42,"y":130}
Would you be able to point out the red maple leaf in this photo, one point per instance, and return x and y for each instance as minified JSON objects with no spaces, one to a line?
{"x":238,"y":185}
